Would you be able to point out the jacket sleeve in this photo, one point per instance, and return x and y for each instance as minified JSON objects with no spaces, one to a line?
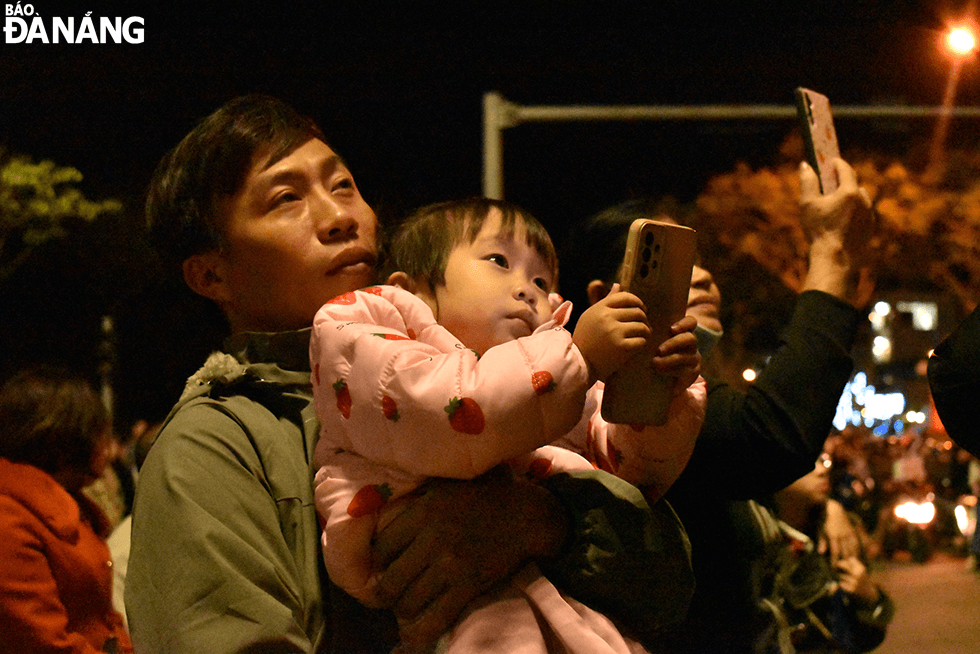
{"x":217,"y":559}
{"x":32,"y":617}
{"x":954,"y":377}
{"x":755,"y":442}
{"x":624,"y":557}
{"x":395,"y":387}
{"x":351,"y":493}
{"x":650,"y":456}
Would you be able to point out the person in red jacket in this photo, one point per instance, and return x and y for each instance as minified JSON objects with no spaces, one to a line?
{"x":55,"y":567}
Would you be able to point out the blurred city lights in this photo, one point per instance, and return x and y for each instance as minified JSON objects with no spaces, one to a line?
{"x":861,"y":404}
{"x":917,"y":514}
{"x":881,"y":348}
{"x":915,"y":417}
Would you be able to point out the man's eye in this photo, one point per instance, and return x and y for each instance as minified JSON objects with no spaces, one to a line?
{"x":498,"y":259}
{"x":284,"y":198}
{"x":344,"y":184}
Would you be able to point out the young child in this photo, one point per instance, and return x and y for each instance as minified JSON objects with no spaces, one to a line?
{"x":463,"y":364}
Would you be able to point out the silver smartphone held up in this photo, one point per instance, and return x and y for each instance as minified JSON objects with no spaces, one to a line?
{"x":657,"y":268}
{"x":819,"y":136}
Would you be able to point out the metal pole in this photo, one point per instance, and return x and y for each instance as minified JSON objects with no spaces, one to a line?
{"x":495,"y":121}
{"x":500,"y":114}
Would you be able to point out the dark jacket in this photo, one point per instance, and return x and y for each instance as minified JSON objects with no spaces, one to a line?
{"x":954,"y":377}
{"x":751,"y":445}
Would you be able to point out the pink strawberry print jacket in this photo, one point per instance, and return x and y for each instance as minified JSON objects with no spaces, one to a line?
{"x":400,"y":399}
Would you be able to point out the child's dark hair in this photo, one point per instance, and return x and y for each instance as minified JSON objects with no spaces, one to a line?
{"x":421,"y":245}
{"x":52,"y":419}
{"x":184,"y":201}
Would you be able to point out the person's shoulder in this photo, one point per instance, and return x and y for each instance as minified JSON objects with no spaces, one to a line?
{"x":384,"y":306}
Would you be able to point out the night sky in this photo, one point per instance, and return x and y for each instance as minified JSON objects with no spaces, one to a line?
{"x":397,"y":87}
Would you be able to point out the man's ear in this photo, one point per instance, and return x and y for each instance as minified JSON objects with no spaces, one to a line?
{"x":202,"y":273}
{"x":402,"y":280}
{"x":596,"y":290}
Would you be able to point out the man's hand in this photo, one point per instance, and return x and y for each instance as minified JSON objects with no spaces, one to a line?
{"x":855,"y":580}
{"x":840,"y":536}
{"x":610,"y":331}
{"x":840,"y":227}
{"x":455,"y":541}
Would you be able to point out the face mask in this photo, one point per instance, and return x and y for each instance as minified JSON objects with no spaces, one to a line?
{"x":707,"y":339}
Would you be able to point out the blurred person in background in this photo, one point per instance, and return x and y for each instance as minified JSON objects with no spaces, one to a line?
{"x":55,"y":567}
{"x":755,"y":442}
{"x":819,"y":604}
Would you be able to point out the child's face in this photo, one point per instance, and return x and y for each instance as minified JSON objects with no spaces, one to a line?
{"x":496,"y":289}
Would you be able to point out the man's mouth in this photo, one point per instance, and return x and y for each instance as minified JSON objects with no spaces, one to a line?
{"x":352,"y":258}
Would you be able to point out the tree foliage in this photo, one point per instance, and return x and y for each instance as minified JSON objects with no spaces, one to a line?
{"x":39,"y":202}
{"x":751,"y":238}
{"x":929,"y":225}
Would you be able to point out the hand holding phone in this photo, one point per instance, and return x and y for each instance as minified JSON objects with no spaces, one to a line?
{"x":657,"y":268}
{"x":819,"y":137}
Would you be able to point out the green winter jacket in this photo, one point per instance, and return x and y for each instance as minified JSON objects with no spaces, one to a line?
{"x":225,"y":553}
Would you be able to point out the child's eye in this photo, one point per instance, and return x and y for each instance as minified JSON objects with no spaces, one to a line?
{"x":498,"y":259}
{"x":542,"y":283}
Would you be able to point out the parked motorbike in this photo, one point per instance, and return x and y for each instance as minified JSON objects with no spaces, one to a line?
{"x":910,"y":523}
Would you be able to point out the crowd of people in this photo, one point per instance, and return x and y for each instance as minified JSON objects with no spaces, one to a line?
{"x":401,"y":445}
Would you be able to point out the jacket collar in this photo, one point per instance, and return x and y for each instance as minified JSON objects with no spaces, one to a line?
{"x":40,"y":494}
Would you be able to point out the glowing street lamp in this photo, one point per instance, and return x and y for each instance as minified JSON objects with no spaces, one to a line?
{"x":960,"y":42}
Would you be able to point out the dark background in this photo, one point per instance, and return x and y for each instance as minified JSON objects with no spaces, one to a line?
{"x":398,"y":88}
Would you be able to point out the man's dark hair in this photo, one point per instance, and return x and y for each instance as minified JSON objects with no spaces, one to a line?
{"x":421,"y":245}
{"x":51,"y":419}
{"x":594,"y":247}
{"x":210,"y":165}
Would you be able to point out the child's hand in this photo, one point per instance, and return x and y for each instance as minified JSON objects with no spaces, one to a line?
{"x":611,"y":331}
{"x":678,"y":356}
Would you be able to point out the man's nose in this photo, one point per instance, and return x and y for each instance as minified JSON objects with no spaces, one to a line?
{"x":701,"y":278}
{"x":332,"y":219}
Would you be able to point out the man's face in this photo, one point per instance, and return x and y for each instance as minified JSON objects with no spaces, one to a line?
{"x":813,"y":488}
{"x":297,"y":234}
{"x":704,"y":299}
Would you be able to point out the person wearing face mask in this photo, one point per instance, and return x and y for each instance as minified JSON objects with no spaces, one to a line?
{"x":754,"y":442}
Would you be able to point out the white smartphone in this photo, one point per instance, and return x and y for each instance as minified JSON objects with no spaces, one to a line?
{"x":819,"y":136}
{"x":657,"y":267}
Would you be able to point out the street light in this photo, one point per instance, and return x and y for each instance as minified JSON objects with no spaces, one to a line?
{"x":960,"y":41}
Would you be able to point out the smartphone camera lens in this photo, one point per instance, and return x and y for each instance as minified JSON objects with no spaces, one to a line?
{"x":648,"y":239}
{"x":647,"y":254}
{"x":644,"y":270}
